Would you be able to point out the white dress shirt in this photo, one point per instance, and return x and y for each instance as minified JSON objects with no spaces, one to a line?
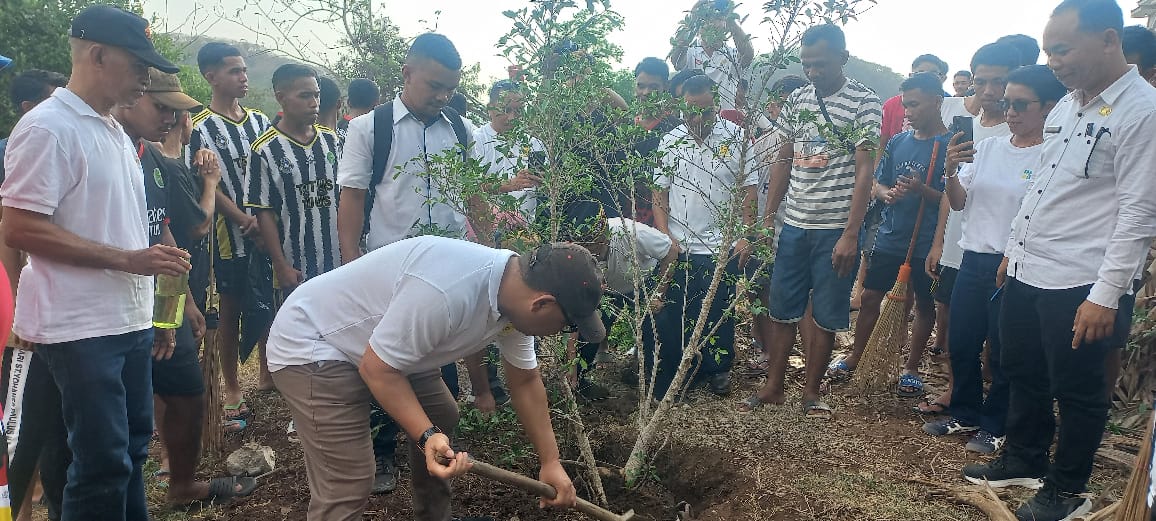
{"x":487,"y":149}
{"x":1091,"y":215}
{"x":407,"y":200}
{"x":702,"y":182}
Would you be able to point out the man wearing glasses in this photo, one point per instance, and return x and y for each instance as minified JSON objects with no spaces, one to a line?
{"x":381,"y":327}
{"x":1077,"y":244}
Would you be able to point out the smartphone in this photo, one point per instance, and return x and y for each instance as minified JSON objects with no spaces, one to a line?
{"x":963,"y":124}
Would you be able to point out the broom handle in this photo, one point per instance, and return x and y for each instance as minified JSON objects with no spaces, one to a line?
{"x":922,"y":203}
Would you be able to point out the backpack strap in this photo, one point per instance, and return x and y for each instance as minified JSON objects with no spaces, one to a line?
{"x":459,"y":128}
{"x":382,"y":145}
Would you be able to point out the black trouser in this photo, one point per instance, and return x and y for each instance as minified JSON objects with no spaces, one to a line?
{"x":41,"y":436}
{"x":619,"y":304}
{"x":687,"y":291}
{"x":1041,"y":366}
{"x":975,"y":306}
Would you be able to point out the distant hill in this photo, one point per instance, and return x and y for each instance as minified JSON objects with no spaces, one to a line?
{"x":884,"y":81}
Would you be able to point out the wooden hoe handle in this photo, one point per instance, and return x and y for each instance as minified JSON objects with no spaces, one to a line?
{"x":542,"y":489}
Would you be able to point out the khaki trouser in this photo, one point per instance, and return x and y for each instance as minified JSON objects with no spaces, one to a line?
{"x":330,"y":407}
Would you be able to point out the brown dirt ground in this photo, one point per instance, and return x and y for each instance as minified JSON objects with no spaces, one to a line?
{"x":768,"y":465}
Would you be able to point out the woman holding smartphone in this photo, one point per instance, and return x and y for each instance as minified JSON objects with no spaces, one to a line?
{"x":992,"y":178}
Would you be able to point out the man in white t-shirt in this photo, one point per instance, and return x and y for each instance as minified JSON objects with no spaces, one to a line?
{"x":990,"y":67}
{"x":86,"y":294}
{"x":713,"y":21}
{"x":419,"y":304}
{"x":507,"y":154}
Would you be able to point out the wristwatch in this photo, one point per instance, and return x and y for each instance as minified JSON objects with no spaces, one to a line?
{"x":425,"y":436}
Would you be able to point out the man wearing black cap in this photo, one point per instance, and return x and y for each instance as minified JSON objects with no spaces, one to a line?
{"x":382,"y":326}
{"x":86,"y":294}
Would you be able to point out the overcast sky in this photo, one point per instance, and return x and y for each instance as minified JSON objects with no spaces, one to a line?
{"x":892,"y":33}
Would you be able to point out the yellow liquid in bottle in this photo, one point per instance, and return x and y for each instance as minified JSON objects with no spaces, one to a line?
{"x":169,"y":301}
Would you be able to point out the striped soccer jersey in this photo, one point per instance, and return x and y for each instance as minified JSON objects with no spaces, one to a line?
{"x":298,"y":181}
{"x":232,"y":142}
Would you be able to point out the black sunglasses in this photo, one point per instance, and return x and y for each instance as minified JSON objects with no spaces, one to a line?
{"x":1019,"y":105}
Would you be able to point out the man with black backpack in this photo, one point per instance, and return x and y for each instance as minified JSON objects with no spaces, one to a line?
{"x":386,"y":195}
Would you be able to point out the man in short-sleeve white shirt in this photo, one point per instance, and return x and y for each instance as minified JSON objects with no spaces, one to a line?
{"x":86,"y":294}
{"x":702,"y":181}
{"x":382,"y":326}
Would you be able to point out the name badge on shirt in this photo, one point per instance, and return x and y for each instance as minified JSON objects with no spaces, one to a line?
{"x":1053,"y":130}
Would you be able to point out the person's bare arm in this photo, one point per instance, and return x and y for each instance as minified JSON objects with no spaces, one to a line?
{"x":209,"y":170}
{"x":36,"y":234}
{"x":288,"y":277}
{"x":350,"y":221}
{"x":529,"y":398}
{"x":936,"y":253}
{"x":777,"y":184}
{"x":480,"y":382}
{"x":481,"y":218}
{"x":12,"y":259}
{"x":742,"y":43}
{"x":234,"y":214}
{"x":392,"y":390}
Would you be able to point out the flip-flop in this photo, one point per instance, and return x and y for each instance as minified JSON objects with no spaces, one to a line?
{"x":161,"y":477}
{"x":931,"y":407}
{"x":910,"y":386}
{"x":817,"y":410}
{"x":221,"y":491}
{"x":237,"y":411}
{"x":234,"y":426}
{"x":839,"y":371}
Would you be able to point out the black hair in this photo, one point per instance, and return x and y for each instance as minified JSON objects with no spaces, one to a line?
{"x":363,"y":94}
{"x":965,"y":74}
{"x":680,"y":78}
{"x":996,"y":55}
{"x":928,"y":82}
{"x":1041,"y":80}
{"x":213,"y":55}
{"x":503,"y":86}
{"x":1095,"y":15}
{"x":1138,"y":40}
{"x":31,"y":84}
{"x":788,"y":84}
{"x":932,"y":59}
{"x":330,"y":94}
{"x":696,"y":85}
{"x":1027,"y":46}
{"x":458,"y":103}
{"x":652,"y":66}
{"x":436,"y":47}
{"x":289,"y":72}
{"x":829,"y":33}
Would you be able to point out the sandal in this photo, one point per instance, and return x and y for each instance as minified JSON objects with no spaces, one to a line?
{"x":756,"y":368}
{"x":237,"y":411}
{"x":839,"y":371}
{"x":931,"y":407}
{"x":221,"y":491}
{"x":752,"y":403}
{"x":817,"y":410}
{"x":910,"y":386}
{"x":234,"y":426}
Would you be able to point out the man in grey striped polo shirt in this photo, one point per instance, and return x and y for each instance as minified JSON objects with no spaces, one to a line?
{"x":825,"y":174}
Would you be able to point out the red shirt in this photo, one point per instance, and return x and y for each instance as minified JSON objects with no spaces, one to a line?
{"x":894,"y":122}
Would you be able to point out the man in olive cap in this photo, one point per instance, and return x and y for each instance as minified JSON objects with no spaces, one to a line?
{"x":381,"y":327}
{"x":74,"y":201}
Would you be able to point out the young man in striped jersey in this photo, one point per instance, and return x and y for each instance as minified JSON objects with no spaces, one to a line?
{"x":293,"y":183}
{"x":229,"y":129}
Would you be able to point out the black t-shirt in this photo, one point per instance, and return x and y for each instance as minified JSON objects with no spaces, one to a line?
{"x":156,"y":184}
{"x":647,"y":148}
{"x":173,"y":194}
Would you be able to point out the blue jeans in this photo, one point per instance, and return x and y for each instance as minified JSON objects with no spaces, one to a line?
{"x":106,"y":392}
{"x":974,"y":319}
{"x":803,"y":272}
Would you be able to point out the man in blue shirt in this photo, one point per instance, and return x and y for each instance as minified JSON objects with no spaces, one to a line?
{"x":903,"y":184}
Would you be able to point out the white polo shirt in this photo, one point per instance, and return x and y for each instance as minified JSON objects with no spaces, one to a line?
{"x":631,"y":239}
{"x":68,"y":162}
{"x":703,"y":183}
{"x":1090,"y":217}
{"x":419,"y":303}
{"x":402,"y":202}
{"x":487,"y":145}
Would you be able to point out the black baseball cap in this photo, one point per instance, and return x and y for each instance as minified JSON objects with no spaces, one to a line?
{"x":114,"y":26}
{"x":569,"y":273}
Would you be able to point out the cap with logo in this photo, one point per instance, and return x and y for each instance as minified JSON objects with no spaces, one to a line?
{"x":166,"y":89}
{"x":569,"y":273}
{"x":114,"y":26}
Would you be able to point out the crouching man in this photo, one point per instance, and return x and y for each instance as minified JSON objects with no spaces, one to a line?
{"x":382,"y":326}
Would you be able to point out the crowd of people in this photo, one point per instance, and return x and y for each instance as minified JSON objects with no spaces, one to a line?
{"x":1022,"y":208}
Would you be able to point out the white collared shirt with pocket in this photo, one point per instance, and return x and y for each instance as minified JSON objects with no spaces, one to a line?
{"x":1090,"y":217}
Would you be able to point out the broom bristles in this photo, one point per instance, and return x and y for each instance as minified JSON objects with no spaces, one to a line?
{"x":880,"y":361}
{"x":211,"y":435}
{"x":1134,"y":503}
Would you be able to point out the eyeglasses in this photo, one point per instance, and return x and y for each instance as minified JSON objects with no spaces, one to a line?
{"x":570,"y":326}
{"x":1019,"y":105}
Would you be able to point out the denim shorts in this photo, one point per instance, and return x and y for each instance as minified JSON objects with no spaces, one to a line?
{"x":802,"y":272}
